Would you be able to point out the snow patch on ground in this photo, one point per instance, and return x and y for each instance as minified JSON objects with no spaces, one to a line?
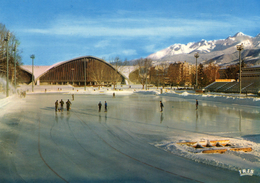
{"x":235,"y":99}
{"x":184,"y":94}
{"x":102,"y":92}
{"x":5,"y":101}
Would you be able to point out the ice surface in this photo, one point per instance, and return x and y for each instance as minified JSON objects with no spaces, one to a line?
{"x":132,"y":141}
{"x":239,"y":117}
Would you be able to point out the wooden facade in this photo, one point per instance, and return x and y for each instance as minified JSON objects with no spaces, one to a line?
{"x":98,"y":72}
{"x":23,"y":76}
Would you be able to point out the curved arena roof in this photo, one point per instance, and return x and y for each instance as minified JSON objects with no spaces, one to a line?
{"x":41,"y":70}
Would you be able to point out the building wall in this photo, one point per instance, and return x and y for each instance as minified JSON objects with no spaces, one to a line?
{"x":180,"y":73}
{"x":98,"y":72}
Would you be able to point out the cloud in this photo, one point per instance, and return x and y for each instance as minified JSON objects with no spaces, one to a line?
{"x":129,"y":52}
{"x":102,"y":44}
{"x":39,"y":31}
{"x":133,"y":27}
{"x":119,"y":53}
{"x":129,"y":37}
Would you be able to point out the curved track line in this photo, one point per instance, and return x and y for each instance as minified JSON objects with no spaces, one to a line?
{"x":39,"y":150}
{"x":133,"y":157}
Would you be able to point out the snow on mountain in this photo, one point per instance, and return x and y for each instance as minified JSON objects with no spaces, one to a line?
{"x":207,"y":49}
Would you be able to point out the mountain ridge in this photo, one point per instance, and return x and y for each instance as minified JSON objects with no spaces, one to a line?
{"x":221,"y":52}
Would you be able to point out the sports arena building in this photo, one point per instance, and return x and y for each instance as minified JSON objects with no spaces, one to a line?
{"x":77,"y":72}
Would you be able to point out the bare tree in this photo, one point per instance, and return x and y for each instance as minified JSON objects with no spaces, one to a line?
{"x":163,"y":67}
{"x":153,"y":75}
{"x":143,"y":66}
{"x":115,"y":76}
{"x":98,"y":71}
{"x":4,"y":49}
{"x":211,"y":72}
{"x":231,"y":72}
{"x":102,"y":73}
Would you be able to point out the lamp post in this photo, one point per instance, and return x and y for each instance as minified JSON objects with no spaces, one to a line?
{"x":72,"y":70}
{"x":14,"y":50}
{"x":32,"y":57}
{"x":196,"y":55}
{"x":7,"y":65}
{"x":146,"y":74}
{"x":240,"y":48}
{"x":85,"y":77}
{"x":157,"y":78}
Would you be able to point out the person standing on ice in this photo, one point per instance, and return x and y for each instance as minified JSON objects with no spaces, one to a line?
{"x":61,"y":105}
{"x":99,"y":106}
{"x":105,"y":106}
{"x":161,"y":106}
{"x":56,"y":105}
{"x":197,"y":104}
{"x":68,"y":103}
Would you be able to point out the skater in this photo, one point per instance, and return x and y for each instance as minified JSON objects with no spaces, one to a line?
{"x":99,"y":106}
{"x":197,"y":104}
{"x":72,"y":97}
{"x":105,"y":106}
{"x":56,"y":105}
{"x":161,"y":106}
{"x":61,"y":105}
{"x":68,"y":103}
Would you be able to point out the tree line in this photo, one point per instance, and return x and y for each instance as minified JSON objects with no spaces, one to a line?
{"x":173,"y":74}
{"x":9,"y":44}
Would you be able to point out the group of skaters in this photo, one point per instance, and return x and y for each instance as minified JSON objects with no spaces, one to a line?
{"x":161,"y":105}
{"x":100,"y":105}
{"x":68,"y":104}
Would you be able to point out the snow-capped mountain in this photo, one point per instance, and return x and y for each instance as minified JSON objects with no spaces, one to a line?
{"x":222,"y":51}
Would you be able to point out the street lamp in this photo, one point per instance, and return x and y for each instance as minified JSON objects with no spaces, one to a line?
{"x":14,"y":50}
{"x":72,"y":70}
{"x":240,"y":48}
{"x":32,"y":57}
{"x":85,"y":77}
{"x":7,"y":65}
{"x":146,"y":74}
{"x":157,"y":78}
{"x":196,"y":55}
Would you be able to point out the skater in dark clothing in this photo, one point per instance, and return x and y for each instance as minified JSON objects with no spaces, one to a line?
{"x":72,"y":97}
{"x":105,"y":106}
{"x":56,"y":105}
{"x":68,"y":103}
{"x":161,"y":106}
{"x":197,"y":104}
{"x":61,"y":105}
{"x":99,"y":106}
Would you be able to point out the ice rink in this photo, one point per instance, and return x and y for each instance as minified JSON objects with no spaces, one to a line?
{"x":132,"y":142}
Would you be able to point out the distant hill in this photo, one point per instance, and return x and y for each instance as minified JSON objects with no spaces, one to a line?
{"x":222,"y":52}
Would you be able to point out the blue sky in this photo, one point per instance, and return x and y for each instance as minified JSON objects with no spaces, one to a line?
{"x":58,"y":30}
